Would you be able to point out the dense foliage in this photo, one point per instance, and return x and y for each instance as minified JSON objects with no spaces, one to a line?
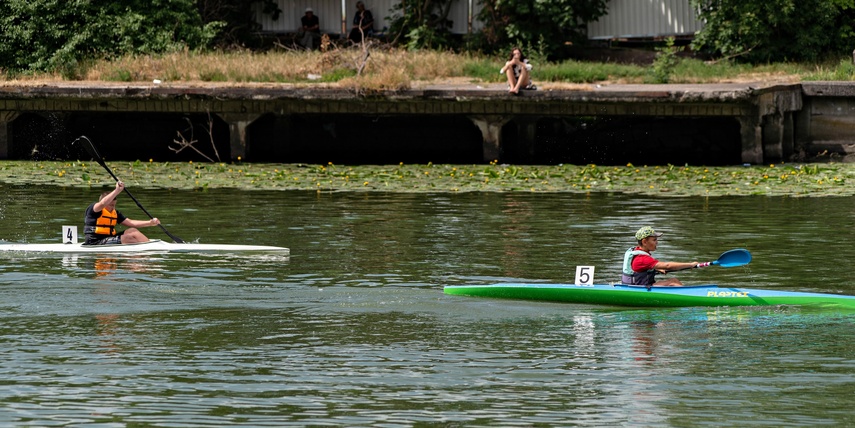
{"x":549,"y":25}
{"x":422,"y":24}
{"x":48,"y":35}
{"x":776,"y":30}
{"x":554,"y":23}
{"x":60,"y":35}
{"x":238,"y":18}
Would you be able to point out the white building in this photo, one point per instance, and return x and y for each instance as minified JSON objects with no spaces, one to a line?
{"x":633,"y":19}
{"x":626,"y":19}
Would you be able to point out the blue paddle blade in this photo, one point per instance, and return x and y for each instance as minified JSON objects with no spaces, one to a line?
{"x":734,"y":258}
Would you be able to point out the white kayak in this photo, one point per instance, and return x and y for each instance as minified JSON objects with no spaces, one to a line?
{"x":155,"y":245}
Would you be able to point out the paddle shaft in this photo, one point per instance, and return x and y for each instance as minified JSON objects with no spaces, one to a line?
{"x":90,"y":147}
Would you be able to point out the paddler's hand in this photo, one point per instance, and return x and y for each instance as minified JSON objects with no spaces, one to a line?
{"x":154,"y":222}
{"x":120,"y":186}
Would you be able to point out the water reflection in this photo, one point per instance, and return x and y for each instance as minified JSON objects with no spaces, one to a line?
{"x":644,"y":345}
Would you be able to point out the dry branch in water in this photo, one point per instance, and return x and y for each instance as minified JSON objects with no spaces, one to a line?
{"x":184,"y":143}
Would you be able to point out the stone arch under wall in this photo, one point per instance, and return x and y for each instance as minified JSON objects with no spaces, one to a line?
{"x":370,"y":139}
{"x":125,"y":136}
{"x":618,"y":140}
{"x":316,"y":138}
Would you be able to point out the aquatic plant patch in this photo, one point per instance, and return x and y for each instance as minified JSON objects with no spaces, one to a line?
{"x":829,"y":179}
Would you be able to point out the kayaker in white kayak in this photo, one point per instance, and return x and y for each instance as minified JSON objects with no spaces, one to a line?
{"x":102,"y":217}
{"x":640,"y":268}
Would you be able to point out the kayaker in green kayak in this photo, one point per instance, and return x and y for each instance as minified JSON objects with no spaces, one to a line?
{"x":640,"y":268}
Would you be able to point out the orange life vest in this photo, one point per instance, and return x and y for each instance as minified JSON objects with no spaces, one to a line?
{"x":106,"y":224}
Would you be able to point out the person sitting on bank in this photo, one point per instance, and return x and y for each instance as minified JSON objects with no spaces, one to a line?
{"x":518,"y":70}
{"x":640,"y":268}
{"x":101,"y":218}
{"x":310,"y":32}
{"x":363,"y":23}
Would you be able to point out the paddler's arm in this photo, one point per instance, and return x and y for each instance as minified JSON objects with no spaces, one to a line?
{"x":109,"y":197}
{"x":140,"y":223}
{"x":674,"y":266}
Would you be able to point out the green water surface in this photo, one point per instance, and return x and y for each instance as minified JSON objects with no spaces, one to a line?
{"x":353,"y":328}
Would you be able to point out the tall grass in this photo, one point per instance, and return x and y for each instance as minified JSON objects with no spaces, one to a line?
{"x":589,"y":72}
{"x":843,"y":70}
{"x":240,"y":66}
{"x":690,"y":70}
{"x":398,"y":66}
{"x":395,"y":69}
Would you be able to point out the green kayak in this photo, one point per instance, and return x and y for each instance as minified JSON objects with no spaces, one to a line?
{"x":642,"y":296}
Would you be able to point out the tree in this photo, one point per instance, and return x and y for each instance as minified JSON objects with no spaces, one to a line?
{"x":422,"y":23}
{"x":56,"y":35}
{"x":238,"y":17}
{"x":774,"y":30}
{"x":556,"y":22}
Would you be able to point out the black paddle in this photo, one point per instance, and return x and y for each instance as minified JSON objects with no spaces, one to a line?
{"x":90,"y":147}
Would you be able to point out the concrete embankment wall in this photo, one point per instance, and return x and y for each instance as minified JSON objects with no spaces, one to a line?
{"x":608,"y":125}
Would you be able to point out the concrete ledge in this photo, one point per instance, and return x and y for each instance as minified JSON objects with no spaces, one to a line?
{"x":828,"y":89}
{"x":598,"y":93}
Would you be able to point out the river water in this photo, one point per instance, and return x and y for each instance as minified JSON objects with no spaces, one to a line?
{"x":353,"y":329}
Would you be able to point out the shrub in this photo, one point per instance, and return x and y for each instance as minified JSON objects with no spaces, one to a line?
{"x":52,"y":35}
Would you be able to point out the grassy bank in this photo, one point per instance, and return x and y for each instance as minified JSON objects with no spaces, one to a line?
{"x":399,"y":69}
{"x":771,"y":180}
